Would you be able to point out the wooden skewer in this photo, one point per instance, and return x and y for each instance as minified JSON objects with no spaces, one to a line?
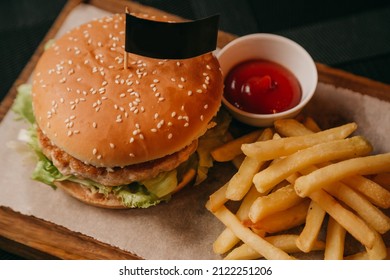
{"x":125,"y":53}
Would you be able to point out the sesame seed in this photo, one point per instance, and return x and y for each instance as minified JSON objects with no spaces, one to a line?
{"x":153,"y":130}
{"x":132,"y":155}
{"x":170,"y":136}
{"x":208,"y":67}
{"x":131,"y":140}
{"x":173,"y":114}
{"x":112,"y":146}
{"x":206,"y":106}
{"x":70,"y":133}
{"x":189,"y":92}
{"x":94,"y":151}
{"x":99,"y":156}
{"x":180,"y":86}
{"x":160,"y":124}
{"x":94,"y":124}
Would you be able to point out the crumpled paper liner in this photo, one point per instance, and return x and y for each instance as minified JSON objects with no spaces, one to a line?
{"x":182,"y":228}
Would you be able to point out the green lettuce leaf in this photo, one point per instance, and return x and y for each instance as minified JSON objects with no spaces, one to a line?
{"x":133,"y":195}
{"x":23,"y":104}
{"x":136,"y":196}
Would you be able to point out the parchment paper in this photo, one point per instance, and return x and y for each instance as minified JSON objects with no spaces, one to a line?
{"x":182,"y":228}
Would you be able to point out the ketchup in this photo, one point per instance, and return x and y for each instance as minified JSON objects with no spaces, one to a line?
{"x":262,"y":87}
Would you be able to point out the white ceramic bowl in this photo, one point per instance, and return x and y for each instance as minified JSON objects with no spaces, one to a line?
{"x":277,"y":49}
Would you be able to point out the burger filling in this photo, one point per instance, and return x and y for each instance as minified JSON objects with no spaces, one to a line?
{"x":137,"y":186}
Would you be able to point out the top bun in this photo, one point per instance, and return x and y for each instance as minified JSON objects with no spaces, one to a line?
{"x":87,"y":104}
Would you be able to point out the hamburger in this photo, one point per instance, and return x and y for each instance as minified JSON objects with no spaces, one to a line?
{"x":121,"y":137}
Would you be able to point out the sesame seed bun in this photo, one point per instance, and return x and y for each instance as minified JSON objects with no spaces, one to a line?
{"x":92,"y":108}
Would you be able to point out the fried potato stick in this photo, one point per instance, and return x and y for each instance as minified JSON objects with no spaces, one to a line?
{"x":283,"y":220}
{"x":277,"y":201}
{"x":352,"y":223}
{"x":256,"y":242}
{"x":335,"y":240}
{"x":375,"y":193}
{"x":286,"y":242}
{"x":320,"y":153}
{"x":227,"y":239}
{"x":314,"y":219}
{"x":324,"y":176}
{"x":241,"y":181}
{"x":276,"y":148}
{"x":231,"y":149}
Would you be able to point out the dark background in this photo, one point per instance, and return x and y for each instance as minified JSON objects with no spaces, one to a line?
{"x":353,"y":35}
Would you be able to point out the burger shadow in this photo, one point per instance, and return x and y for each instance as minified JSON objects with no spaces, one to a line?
{"x":184,"y":219}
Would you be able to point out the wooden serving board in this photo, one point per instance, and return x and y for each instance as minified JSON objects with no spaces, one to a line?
{"x":34,"y":238}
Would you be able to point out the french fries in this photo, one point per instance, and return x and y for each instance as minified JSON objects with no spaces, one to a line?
{"x":340,"y":170}
{"x":283,"y":220}
{"x":335,"y":239}
{"x":277,"y":201}
{"x":232,"y":149}
{"x":258,"y":243}
{"x":308,"y":236}
{"x":324,"y":152}
{"x":290,"y":183}
{"x":240,"y":183}
{"x":286,"y":242}
{"x":227,"y":240}
{"x":277,"y":148}
{"x":375,"y":193}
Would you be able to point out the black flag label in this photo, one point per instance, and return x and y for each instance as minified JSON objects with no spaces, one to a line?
{"x":171,"y":40}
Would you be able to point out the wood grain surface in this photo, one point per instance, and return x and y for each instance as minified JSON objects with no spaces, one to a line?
{"x":34,"y":238}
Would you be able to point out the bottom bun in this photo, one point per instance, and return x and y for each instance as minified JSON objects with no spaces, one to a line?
{"x":110,"y":201}
{"x":87,"y":196}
